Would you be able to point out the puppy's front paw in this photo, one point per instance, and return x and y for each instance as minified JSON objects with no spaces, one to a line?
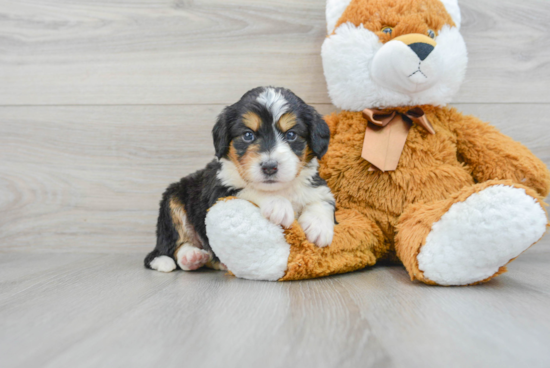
{"x":191,"y":258}
{"x":319,"y":227}
{"x":279,"y":211}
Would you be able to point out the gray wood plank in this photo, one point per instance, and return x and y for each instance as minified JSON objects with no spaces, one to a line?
{"x":210,"y":51}
{"x":89,"y":179}
{"x":93,"y":310}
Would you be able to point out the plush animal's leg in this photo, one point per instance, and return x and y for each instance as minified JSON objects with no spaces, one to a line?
{"x":471,"y":236}
{"x":254,"y":248}
{"x":356,"y":242}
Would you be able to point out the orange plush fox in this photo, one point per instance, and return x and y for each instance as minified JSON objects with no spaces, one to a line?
{"x":416,"y":181}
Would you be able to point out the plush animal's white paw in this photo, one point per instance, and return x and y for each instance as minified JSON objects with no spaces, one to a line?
{"x":191,"y":258}
{"x":163,"y":264}
{"x":318,"y":226}
{"x":246,"y":242}
{"x":278,"y":210}
{"x":478,"y":236}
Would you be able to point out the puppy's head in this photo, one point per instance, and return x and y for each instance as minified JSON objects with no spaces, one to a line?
{"x":269,"y":135}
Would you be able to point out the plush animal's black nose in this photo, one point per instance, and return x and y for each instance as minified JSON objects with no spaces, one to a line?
{"x":421,"y":49}
{"x":269,"y":168}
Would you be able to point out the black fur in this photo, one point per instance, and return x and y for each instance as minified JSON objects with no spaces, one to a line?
{"x":198,"y":191}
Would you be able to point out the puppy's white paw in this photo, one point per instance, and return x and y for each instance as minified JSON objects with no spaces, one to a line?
{"x":318,"y":226}
{"x":163,"y":264}
{"x":278,"y":210}
{"x":191,"y":258}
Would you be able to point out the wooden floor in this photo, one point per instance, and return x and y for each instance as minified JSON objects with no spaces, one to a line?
{"x":104,"y":103}
{"x":105,"y":310}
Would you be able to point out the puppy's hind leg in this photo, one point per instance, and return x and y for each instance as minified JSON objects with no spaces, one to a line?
{"x":171,"y":233}
{"x":190,"y":258}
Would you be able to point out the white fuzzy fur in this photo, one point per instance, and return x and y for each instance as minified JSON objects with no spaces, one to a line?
{"x":476,"y":237}
{"x":454,"y":11}
{"x":163,"y":264}
{"x":247,"y":243}
{"x":361,"y":72}
{"x":334,"y":11}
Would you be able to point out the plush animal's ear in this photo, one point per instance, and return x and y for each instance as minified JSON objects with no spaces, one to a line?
{"x":334,"y":11}
{"x":221,"y":133}
{"x":319,"y":133}
{"x":454,"y":11}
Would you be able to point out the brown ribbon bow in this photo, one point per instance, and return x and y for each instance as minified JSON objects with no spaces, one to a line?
{"x":387,"y":133}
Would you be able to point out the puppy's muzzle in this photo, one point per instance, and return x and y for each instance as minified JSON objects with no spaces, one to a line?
{"x":269,"y":168}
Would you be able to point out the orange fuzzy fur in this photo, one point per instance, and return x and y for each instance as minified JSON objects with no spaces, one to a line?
{"x":398,"y":208}
{"x":404,"y":16}
{"x":388,"y":215}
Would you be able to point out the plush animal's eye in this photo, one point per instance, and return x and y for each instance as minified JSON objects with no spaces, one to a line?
{"x":431,"y":33}
{"x":249,"y":137}
{"x":387,"y":30}
{"x":291,"y":136}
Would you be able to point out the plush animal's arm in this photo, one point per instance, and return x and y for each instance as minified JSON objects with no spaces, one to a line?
{"x":493,"y":155}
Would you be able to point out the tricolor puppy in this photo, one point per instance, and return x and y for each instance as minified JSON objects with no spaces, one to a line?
{"x":267,"y":146}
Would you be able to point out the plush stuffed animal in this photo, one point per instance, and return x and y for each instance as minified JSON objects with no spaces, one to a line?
{"x":416,"y":181}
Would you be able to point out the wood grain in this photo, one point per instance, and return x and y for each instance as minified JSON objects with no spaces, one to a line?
{"x":207,"y":52}
{"x":89,"y":179}
{"x":100,"y":310}
{"x":104,"y":103}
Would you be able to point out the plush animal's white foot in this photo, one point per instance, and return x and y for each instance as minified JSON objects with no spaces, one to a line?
{"x":478,"y":236}
{"x":191,"y":258}
{"x":163,"y":264}
{"x":246,"y":242}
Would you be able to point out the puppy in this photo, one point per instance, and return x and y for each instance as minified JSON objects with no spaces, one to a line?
{"x":267,"y":146}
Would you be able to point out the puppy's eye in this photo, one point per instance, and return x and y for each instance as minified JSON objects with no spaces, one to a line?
{"x":431,"y":33}
{"x":291,"y":136}
{"x":249,"y":137}
{"x":387,"y":30}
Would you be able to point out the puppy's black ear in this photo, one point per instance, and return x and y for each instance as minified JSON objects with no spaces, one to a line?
{"x":221,"y":133}
{"x":319,"y":133}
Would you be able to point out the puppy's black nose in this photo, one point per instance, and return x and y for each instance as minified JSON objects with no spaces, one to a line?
{"x":269,"y":168}
{"x":422,"y":49}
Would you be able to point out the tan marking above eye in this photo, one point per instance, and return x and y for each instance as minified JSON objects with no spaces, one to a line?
{"x":252,"y":121}
{"x":286,"y":122}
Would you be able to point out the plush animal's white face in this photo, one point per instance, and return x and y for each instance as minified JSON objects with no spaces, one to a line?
{"x":403,"y":53}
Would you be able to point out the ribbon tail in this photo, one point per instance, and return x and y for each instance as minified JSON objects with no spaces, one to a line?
{"x":383,"y":146}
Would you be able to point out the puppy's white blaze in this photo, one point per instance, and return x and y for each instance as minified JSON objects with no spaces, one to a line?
{"x":274,"y":101}
{"x":349,"y":62}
